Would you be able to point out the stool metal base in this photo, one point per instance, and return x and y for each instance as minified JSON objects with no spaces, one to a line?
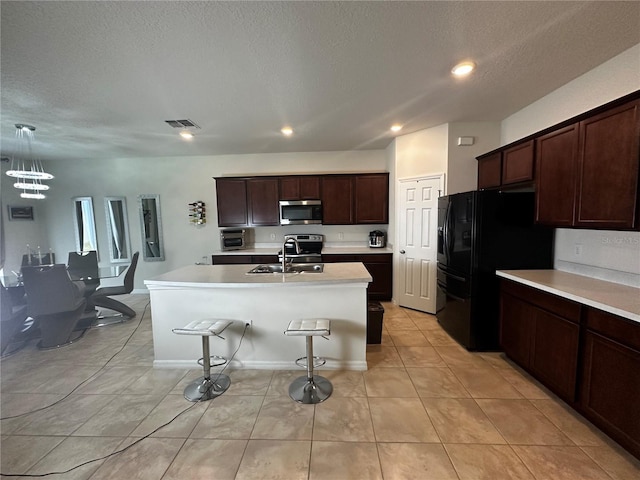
{"x":305,"y":390}
{"x":205,"y":389}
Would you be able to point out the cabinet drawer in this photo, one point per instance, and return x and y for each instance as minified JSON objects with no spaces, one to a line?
{"x":560,"y":306}
{"x":622,"y":330}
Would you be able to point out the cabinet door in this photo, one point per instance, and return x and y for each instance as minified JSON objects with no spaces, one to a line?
{"x":289,"y":188}
{"x":306,"y":187}
{"x":337,"y":200}
{"x":611,"y":389}
{"x":608,"y":169}
{"x":231,"y":196}
{"x":517,"y":163}
{"x":490,"y":171}
{"x":516,"y":320}
{"x":263,"y":201}
{"x":310,"y":187}
{"x":381,"y":286}
{"x":372,"y":198}
{"x":379,"y":266}
{"x":554,"y":353}
{"x":556,"y":164}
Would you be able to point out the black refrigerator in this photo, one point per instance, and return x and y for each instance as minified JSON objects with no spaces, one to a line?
{"x":480,"y":232}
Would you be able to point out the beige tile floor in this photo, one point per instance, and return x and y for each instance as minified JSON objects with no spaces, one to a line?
{"x":425,"y":409}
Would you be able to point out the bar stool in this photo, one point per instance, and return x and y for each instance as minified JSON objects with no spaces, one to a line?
{"x":206,"y":388}
{"x":311,"y":388}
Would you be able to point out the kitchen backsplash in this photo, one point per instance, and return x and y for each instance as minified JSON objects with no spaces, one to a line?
{"x":608,"y":255}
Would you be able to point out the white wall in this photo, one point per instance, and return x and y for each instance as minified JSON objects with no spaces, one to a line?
{"x":421,"y":153}
{"x":178,"y":181}
{"x":607,"y":255}
{"x":462,"y":166}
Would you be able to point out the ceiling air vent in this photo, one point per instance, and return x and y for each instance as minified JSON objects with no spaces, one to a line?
{"x":182,"y":124}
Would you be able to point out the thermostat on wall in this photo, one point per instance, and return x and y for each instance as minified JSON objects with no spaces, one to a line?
{"x":465,"y":141}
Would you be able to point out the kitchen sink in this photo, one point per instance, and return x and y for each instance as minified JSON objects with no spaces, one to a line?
{"x":290,"y":268}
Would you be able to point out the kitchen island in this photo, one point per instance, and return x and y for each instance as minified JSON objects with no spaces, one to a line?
{"x":267,"y":302}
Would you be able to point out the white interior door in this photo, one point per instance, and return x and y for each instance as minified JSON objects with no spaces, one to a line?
{"x":417,"y":242}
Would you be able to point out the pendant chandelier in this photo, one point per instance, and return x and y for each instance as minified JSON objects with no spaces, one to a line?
{"x":25,"y":168}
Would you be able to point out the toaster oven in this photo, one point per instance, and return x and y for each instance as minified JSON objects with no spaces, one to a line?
{"x":233,"y":239}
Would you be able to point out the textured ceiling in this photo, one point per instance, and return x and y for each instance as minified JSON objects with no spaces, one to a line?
{"x":98,"y":79}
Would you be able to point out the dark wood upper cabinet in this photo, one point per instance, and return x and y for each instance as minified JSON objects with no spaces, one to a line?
{"x":490,"y":171}
{"x":609,"y":158}
{"x":304,"y":187}
{"x":508,"y":166}
{"x":371,"y":198}
{"x":517,"y":163}
{"x":262,"y":195}
{"x":231,"y":196}
{"x":337,"y":199}
{"x":346,"y":199}
{"x":556,"y":166}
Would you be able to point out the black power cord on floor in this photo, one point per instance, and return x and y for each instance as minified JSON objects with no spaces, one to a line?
{"x":90,"y":377}
{"x":117,"y":452}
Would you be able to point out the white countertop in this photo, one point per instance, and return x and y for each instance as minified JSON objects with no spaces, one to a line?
{"x":610,"y":297}
{"x":233,"y":276}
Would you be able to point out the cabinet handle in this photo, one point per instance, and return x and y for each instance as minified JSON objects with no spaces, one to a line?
{"x":402,"y":252}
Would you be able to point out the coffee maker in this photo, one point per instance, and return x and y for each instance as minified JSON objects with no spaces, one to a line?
{"x":377,"y":239}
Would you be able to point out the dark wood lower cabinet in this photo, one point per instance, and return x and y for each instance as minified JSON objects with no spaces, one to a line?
{"x":515,"y":328}
{"x":242,"y":259}
{"x":589,"y":357}
{"x":554,"y":353}
{"x":535,"y":335}
{"x":610,"y":380}
{"x":379,"y":266}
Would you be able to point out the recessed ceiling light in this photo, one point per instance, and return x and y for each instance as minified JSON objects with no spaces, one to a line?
{"x":186,"y":134}
{"x":396,"y":128}
{"x":463,"y":69}
{"x":287,"y":131}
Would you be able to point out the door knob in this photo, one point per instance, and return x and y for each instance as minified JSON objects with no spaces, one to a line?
{"x":402,"y":252}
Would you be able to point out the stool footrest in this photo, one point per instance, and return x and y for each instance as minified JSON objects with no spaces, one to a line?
{"x":214,"y":361}
{"x":317,"y":362}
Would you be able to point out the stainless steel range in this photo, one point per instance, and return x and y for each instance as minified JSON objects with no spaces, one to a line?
{"x":309,"y":248}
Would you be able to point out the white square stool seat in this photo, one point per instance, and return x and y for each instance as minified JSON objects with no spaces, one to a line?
{"x":207,"y":326}
{"x":306,"y":327}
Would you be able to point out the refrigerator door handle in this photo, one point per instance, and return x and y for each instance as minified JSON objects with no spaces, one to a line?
{"x":461,"y":279}
{"x":455,"y":297}
{"x":456,"y":277}
{"x":446,"y":232}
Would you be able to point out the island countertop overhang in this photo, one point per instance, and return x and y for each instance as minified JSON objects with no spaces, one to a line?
{"x":236,"y":276}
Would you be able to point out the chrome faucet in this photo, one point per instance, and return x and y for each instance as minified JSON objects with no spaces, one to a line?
{"x":284,"y":251}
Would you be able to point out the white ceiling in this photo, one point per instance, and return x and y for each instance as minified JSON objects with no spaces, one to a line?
{"x":98,"y":79}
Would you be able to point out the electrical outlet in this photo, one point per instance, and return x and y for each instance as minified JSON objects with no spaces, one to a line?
{"x":577,"y":249}
{"x":273,"y":236}
{"x":340,"y":236}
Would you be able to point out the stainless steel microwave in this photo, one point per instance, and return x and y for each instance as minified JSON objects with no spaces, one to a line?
{"x":300,"y":212}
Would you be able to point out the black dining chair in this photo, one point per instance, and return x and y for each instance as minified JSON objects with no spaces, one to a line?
{"x":33,"y":259}
{"x":102,"y":296}
{"x":55,"y":302}
{"x":12,"y":317}
{"x":84,"y":266}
